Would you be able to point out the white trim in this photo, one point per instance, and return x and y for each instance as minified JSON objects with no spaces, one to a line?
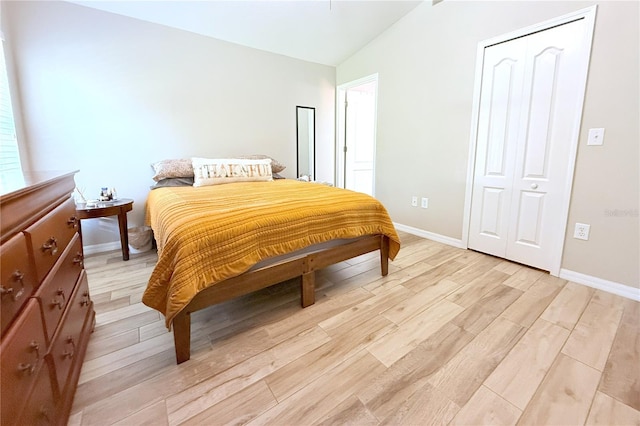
{"x":601,"y":284}
{"x":430,"y":235}
{"x":101,"y":248}
{"x":589,"y":15}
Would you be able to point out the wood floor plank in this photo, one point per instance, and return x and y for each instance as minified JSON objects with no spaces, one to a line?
{"x":350,"y":412}
{"x":486,"y":408}
{"x":400,"y":277}
{"x":93,"y":368}
{"x":103,"y":346}
{"x":391,"y":388}
{"x":153,"y":415}
{"x":565,"y":395}
{"x":567,"y":307}
{"x":191,"y":401}
{"x":461,"y":377}
{"x":290,"y":378}
{"x":393,"y":346}
{"x":445,"y":254}
{"x":418,"y":302}
{"x":320,"y":397}
{"x":523,"y":369}
{"x":131,"y":322}
{"x":417,"y":253}
{"x":316,"y":313}
{"x":591,"y":340}
{"x":482,"y":313}
{"x":238,"y":409}
{"x":607,"y":411}
{"x":621,"y":375}
{"x":433,"y":275}
{"x":365,"y":310}
{"x":523,"y":278}
{"x":508,"y":267}
{"x":104,"y":387}
{"x":477,"y":288}
{"x":426,"y":403}
{"x":526,"y":310}
{"x":474,"y":270}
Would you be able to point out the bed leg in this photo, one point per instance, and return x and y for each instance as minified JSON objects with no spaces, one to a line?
{"x":308,"y":289}
{"x":384,"y":255}
{"x":182,"y":336}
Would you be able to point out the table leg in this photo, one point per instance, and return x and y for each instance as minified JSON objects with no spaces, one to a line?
{"x":124,"y":234}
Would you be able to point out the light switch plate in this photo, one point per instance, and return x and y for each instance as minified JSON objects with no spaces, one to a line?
{"x":596,"y":137}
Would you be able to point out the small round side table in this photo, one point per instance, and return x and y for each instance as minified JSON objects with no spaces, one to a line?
{"x":118,"y":207}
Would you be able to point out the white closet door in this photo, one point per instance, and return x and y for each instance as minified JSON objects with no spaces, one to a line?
{"x":521,"y":172}
{"x":498,"y":121}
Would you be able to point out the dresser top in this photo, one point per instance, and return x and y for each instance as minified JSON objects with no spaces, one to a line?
{"x":16,"y":184}
{"x":26,"y":197}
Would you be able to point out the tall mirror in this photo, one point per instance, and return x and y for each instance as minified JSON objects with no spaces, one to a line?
{"x":306,"y":141}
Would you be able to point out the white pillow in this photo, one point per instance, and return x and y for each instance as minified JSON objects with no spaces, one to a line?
{"x":215,"y":171}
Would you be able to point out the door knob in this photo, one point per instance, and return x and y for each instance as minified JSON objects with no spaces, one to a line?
{"x":534,"y":186}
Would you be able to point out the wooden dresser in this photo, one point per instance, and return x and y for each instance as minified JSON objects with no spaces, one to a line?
{"x":46,"y":313}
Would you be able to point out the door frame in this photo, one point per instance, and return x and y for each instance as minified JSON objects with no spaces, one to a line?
{"x":340,"y":122}
{"x":589,"y":15}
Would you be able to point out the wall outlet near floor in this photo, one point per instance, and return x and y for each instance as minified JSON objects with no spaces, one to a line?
{"x":414,"y":201}
{"x":581,"y":231}
{"x":425,"y":203}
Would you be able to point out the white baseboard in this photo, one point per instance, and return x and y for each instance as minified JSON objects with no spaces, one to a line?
{"x":101,"y":248}
{"x":605,"y":285}
{"x":430,"y":235}
{"x":576,"y":277}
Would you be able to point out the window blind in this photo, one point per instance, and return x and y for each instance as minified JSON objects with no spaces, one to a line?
{"x":9,"y":153}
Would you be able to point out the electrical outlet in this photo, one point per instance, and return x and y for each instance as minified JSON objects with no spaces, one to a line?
{"x":425,"y":203}
{"x":414,"y":201}
{"x":581,"y":231}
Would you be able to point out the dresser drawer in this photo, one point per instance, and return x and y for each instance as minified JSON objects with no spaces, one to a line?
{"x":17,"y":279}
{"x":55,"y":292}
{"x":22,"y":350}
{"x":49,"y":236}
{"x":67,"y":341}
{"x":40,"y":408}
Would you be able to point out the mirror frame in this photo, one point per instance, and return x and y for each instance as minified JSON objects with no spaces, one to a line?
{"x":311,"y":143}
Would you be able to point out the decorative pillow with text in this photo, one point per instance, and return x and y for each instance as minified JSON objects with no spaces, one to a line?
{"x":216,"y":171}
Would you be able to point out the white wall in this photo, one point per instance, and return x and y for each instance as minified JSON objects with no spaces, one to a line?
{"x":109,"y":95}
{"x":426,"y":65}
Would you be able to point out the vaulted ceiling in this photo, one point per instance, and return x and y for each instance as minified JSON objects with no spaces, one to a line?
{"x":321,"y":31}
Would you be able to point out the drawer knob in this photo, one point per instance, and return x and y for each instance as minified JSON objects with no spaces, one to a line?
{"x":59,"y":303}
{"x":18,"y":277}
{"x":73,"y":222}
{"x":51,"y":245}
{"x":85,"y":299}
{"x":78,"y":259}
{"x":69,"y":353}
{"x":31,"y":367}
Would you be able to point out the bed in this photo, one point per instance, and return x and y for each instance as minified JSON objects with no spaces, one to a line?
{"x":222,"y":241}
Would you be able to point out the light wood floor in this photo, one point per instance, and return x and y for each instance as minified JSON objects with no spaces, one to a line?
{"x":448,"y":337}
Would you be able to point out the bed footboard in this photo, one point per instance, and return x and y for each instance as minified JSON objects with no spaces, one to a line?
{"x":303,"y":266}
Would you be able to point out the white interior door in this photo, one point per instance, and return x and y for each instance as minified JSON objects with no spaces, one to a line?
{"x":529,"y":102}
{"x":360,"y":138}
{"x":356,"y":135}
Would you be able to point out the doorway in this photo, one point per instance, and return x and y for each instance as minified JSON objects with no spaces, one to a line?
{"x":356,"y":134}
{"x":529,"y":99}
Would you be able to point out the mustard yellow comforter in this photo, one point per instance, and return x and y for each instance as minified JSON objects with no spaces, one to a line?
{"x":211,"y":233}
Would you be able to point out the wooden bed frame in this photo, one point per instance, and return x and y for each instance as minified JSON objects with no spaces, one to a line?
{"x":303,"y":266}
